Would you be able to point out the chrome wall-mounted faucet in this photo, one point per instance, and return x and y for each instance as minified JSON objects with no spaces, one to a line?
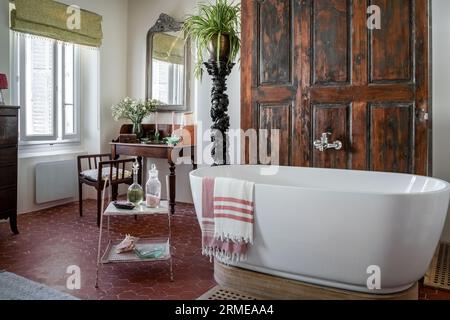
{"x":323,"y":143}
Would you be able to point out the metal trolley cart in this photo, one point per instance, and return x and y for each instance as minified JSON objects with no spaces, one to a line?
{"x":161,"y":246}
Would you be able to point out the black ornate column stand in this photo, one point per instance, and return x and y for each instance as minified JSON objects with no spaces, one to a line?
{"x":219,"y":110}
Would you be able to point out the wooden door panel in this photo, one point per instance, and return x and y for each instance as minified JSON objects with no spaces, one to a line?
{"x":272,"y":117}
{"x":275,"y":40}
{"x":271,"y":44}
{"x":331,"y":42}
{"x":391,"y":58}
{"x":359,"y":136}
{"x":423,"y":128}
{"x":311,"y":66}
{"x":391,"y":137}
{"x":333,"y":118}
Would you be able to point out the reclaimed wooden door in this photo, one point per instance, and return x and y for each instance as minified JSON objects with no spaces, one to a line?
{"x":316,"y":66}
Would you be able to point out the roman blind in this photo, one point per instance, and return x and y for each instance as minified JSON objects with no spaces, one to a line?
{"x":168,"y":48}
{"x":58,"y":21}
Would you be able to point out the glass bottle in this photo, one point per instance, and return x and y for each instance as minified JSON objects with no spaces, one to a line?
{"x":135,"y":192}
{"x":153,"y":188}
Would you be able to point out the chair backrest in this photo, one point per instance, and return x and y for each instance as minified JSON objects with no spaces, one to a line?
{"x":91,"y":161}
{"x":120,"y":171}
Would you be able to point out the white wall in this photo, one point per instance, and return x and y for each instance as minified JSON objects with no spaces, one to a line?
{"x":98,"y":93}
{"x":142,"y":15}
{"x":441,"y":94}
{"x":4,"y":42}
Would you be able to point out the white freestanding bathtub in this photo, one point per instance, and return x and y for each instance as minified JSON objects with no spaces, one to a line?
{"x":326,"y":227}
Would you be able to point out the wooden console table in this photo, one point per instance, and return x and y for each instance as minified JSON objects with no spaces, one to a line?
{"x":161,"y":151}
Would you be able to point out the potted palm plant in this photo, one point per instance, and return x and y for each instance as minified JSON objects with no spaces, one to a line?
{"x":216,"y":29}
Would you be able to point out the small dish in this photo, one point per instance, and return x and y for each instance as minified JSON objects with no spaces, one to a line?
{"x":125,"y":205}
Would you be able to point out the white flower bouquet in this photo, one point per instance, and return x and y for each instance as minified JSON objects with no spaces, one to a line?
{"x":135,"y":111}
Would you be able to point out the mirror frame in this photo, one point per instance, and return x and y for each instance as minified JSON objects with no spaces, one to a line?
{"x":165,"y":23}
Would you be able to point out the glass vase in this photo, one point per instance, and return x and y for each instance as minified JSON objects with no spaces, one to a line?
{"x":138,"y":130}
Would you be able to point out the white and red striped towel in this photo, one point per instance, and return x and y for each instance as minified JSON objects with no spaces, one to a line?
{"x":233,"y":210}
{"x":227,"y":218}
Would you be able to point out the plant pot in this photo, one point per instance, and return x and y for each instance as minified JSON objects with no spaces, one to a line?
{"x":225,"y":48}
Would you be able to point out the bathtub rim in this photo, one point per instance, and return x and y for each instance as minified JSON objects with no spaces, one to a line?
{"x":446,"y":185}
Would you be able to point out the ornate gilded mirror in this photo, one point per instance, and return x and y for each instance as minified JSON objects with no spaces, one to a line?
{"x":168,"y":65}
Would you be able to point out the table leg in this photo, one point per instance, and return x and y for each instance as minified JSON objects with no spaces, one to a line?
{"x":99,"y":247}
{"x":194,"y":164}
{"x":114,"y":187}
{"x":115,"y":191}
{"x":13,"y":223}
{"x":114,"y":155}
{"x":172,"y":188}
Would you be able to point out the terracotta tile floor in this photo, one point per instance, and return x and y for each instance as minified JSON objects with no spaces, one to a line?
{"x":427,"y":293}
{"x":53,"y":239}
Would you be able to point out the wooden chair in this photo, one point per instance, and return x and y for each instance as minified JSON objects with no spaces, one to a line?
{"x":96,"y":168}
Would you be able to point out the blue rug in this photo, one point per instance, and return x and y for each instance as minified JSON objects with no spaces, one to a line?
{"x":14,"y":287}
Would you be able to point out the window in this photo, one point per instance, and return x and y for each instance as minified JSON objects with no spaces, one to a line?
{"x":46,"y":89}
{"x":168,"y":82}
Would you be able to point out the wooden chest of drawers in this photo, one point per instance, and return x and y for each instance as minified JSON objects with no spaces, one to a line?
{"x":9,"y":116}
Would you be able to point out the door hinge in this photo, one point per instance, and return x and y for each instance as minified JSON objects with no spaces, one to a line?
{"x":422,"y":115}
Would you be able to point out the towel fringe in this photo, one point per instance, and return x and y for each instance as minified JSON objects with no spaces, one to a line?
{"x":223,"y":256}
{"x":228,"y":237}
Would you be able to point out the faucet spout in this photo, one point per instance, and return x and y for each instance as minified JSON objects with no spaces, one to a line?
{"x":323,"y":144}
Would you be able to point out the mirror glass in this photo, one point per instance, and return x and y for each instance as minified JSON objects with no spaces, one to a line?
{"x":168,"y":57}
{"x":168,"y":65}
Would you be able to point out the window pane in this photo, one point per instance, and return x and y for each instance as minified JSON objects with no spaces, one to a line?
{"x":168,"y":82}
{"x":160,"y":81}
{"x":68,"y":73}
{"x":39,"y":86}
{"x":69,"y":126}
{"x":178,"y":84}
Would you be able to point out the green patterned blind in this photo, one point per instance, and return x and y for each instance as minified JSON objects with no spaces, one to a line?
{"x":58,"y":21}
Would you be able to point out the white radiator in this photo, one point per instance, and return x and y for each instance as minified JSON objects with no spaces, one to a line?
{"x":56,"y":181}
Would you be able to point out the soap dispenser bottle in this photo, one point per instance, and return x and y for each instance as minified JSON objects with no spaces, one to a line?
{"x":153,"y":188}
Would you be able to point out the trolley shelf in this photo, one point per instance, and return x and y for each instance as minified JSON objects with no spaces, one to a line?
{"x":140,"y":210}
{"x":149,"y":244}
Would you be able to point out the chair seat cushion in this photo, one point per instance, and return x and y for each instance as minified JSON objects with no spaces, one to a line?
{"x":93,"y":174}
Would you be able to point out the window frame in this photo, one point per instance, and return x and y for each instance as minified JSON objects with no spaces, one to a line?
{"x":18,"y":69}
{"x":67,"y":137}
